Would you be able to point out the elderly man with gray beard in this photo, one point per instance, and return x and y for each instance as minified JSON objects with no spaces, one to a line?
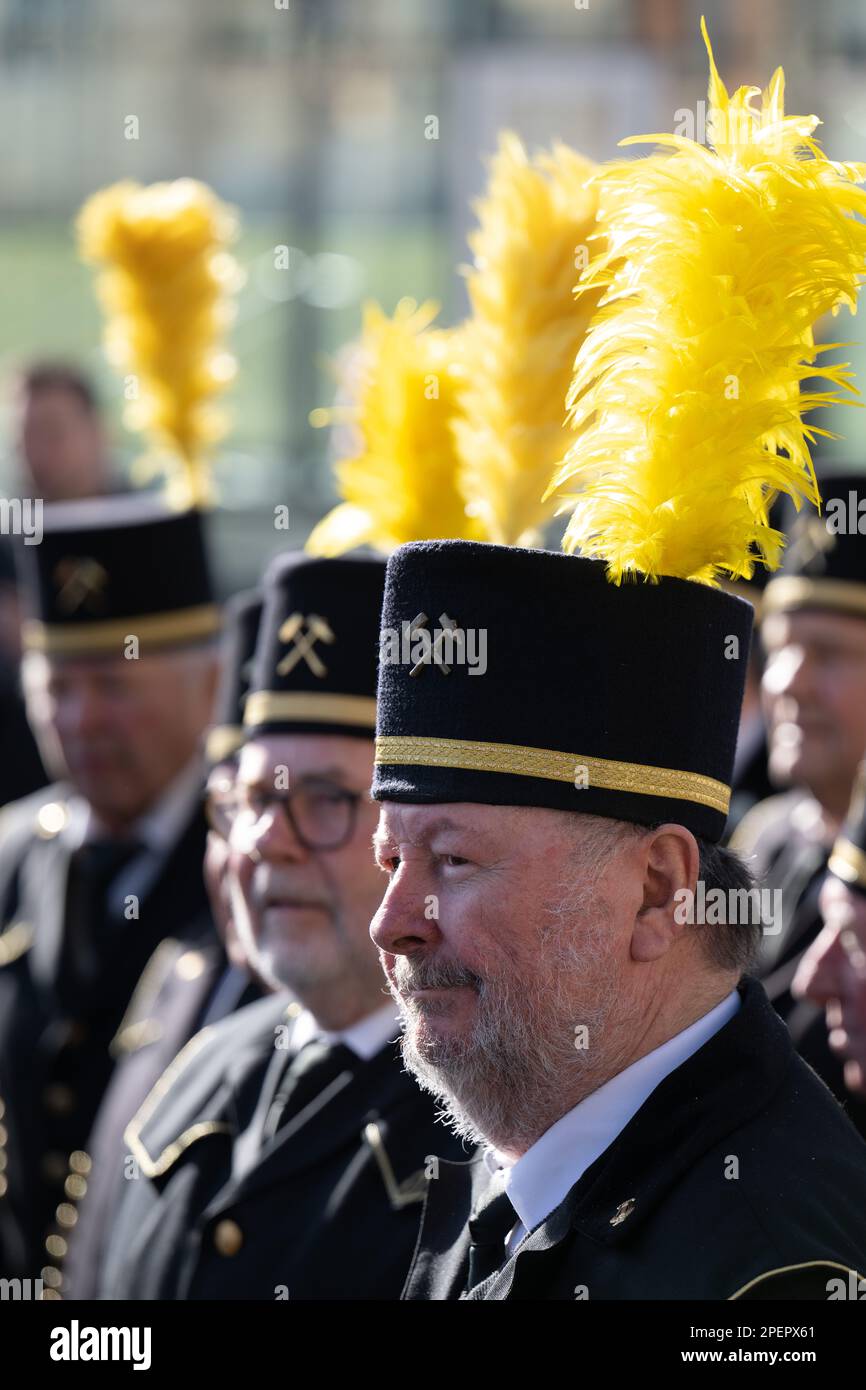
{"x":648,"y":1130}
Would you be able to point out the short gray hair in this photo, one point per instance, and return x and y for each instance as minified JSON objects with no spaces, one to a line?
{"x":730,"y":945}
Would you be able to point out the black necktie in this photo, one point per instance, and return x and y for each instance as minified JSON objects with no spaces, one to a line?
{"x":310,"y":1072}
{"x":488,"y":1227}
{"x":91,"y":937}
{"x":98,"y":863}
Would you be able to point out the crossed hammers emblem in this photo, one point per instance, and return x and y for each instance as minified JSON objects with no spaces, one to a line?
{"x":318,"y":630}
{"x":80,"y":584}
{"x":418,"y":623}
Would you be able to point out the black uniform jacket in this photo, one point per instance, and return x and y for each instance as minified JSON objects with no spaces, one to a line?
{"x":739,"y":1177}
{"x":64,"y":989}
{"x":789,"y":860}
{"x":785,"y":855}
{"x":21,"y":770}
{"x":327,"y":1209}
{"x":183,"y":982}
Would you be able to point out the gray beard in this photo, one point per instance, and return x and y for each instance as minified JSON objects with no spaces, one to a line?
{"x":341,"y":971}
{"x":520,"y":1070}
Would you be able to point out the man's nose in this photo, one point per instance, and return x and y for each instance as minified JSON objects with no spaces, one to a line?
{"x":79,"y":714}
{"x":273,"y":837}
{"x":791,"y":677}
{"x":407,"y":917}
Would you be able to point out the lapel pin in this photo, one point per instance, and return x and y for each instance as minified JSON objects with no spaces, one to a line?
{"x":623,"y":1211}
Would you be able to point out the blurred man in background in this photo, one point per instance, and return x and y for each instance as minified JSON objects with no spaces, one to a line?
{"x":830,"y":983}
{"x":59,"y":435}
{"x":60,"y":446}
{"x":814,"y":636}
{"x":120,"y":670}
{"x":21,"y":769}
{"x":189,"y":982}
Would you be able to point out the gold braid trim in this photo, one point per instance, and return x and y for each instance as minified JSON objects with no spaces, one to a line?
{"x":848,"y":863}
{"x":520,"y":761}
{"x":792,"y":591}
{"x":164,"y":629}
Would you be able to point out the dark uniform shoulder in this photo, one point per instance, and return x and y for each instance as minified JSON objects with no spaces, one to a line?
{"x":765,"y":829}
{"x":176,"y":960}
{"x":801,"y":1178}
{"x":742,"y":1154}
{"x":812,"y":1281}
{"x":189,"y":1098}
{"x":35,"y":818}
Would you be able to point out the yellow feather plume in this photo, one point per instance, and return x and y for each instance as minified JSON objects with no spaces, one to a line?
{"x":400,"y":481}
{"x":535,"y":224}
{"x":166,"y":287}
{"x":687,"y":392}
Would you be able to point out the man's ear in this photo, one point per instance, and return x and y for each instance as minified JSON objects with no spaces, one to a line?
{"x":670,"y":862}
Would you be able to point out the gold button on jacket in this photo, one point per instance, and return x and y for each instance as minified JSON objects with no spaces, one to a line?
{"x":228,"y":1237}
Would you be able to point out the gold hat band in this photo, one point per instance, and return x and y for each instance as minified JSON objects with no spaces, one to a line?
{"x":848,"y":863}
{"x":222,"y":742}
{"x":70,"y":639}
{"x":791,"y":591}
{"x":276,"y":706}
{"x":520,"y":761}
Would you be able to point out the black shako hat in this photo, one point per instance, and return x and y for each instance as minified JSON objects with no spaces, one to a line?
{"x":315,"y":664}
{"x":112,"y":567}
{"x":848,"y":858}
{"x":824,"y":563}
{"x":241,"y":618}
{"x":616,"y":700}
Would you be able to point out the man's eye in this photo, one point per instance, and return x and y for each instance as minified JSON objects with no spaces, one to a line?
{"x":390,"y":864}
{"x":454,"y":861}
{"x":325,"y":792}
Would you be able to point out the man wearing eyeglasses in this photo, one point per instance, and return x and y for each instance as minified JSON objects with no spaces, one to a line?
{"x":286,"y":1153}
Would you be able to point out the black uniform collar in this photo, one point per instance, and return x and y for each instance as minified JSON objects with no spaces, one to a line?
{"x":337,"y":1115}
{"x":214,"y":1084}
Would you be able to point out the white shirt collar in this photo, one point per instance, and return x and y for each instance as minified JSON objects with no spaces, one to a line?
{"x":542,"y":1177}
{"x":365,"y":1038}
